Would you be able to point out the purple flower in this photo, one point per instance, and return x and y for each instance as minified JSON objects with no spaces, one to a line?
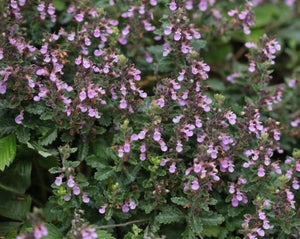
{"x":88,"y":233}
{"x":82,"y":95}
{"x":79,"y":17}
{"x":85,"y":198}
{"x":179,"y":147}
{"x":153,"y":2}
{"x":195,"y":184}
{"x":58,"y":180}
{"x":197,"y":168}
{"x":126,"y":147}
{"x":132,"y":204}
{"x":123,"y":104}
{"x":67,"y":197}
{"x":172,"y":168}
{"x":41,"y":7}
{"x":125,"y":208}
{"x":177,"y":35}
{"x":156,"y":135}
{"x":234,"y":202}
{"x":203,"y":4}
{"x":168,"y":30}
{"x":261,"y":172}
{"x":51,"y":9}
{"x":142,"y":134}
{"x":86,"y":63}
{"x":163,"y":146}
{"x":92,"y":93}
{"x":40,"y":231}
{"x":173,"y":6}
{"x":261,"y":215}
{"x":71,"y":182}
{"x":19,"y":118}
{"x":295,"y":184}
{"x":103,"y":208}
{"x":76,"y":190}
{"x":142,"y":156}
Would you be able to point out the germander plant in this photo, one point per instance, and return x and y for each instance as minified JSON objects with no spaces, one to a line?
{"x":149,"y":122}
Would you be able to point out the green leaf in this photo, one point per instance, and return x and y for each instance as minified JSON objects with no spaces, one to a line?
{"x":7,"y":227}
{"x":17,"y":178}
{"x":59,"y":5}
{"x":169,"y":215}
{"x":211,"y":231}
{"x":6,"y":127}
{"x":103,"y":173}
{"x":8,"y":150}
{"x":197,"y":225}
{"x":16,"y":208}
{"x":182,"y":201}
{"x":198,"y":44}
{"x":214,"y":219}
{"x":216,"y":85}
{"x":42,"y":151}
{"x":48,"y":138}
{"x":104,"y":234}
{"x":264,"y":14}
{"x":83,"y":151}
{"x":53,"y":232}
{"x":23,"y":134}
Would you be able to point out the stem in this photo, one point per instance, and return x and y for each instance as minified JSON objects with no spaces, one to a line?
{"x":122,"y":224}
{"x":9,"y":189}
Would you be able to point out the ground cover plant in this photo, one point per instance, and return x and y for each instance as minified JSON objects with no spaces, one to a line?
{"x":149,"y":119}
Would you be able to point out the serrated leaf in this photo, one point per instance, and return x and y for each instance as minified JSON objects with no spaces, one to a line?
{"x":212,"y":220}
{"x":42,"y":151}
{"x":95,"y":162}
{"x":6,"y":127}
{"x":197,"y":225}
{"x":23,"y":134}
{"x":182,"y":201}
{"x":104,"y":235}
{"x":8,"y":150}
{"x":83,"y":151}
{"x":211,"y":231}
{"x":48,"y":138}
{"x":169,"y":215}
{"x":103,"y":174}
